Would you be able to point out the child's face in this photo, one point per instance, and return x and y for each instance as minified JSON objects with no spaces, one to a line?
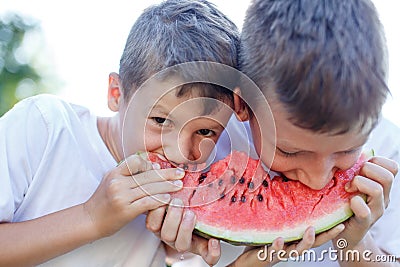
{"x":175,"y":127}
{"x":303,"y":155}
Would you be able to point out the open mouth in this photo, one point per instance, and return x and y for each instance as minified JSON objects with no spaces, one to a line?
{"x":187,"y":166}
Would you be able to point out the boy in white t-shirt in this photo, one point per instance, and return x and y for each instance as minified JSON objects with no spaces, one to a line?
{"x":321,"y":66}
{"x":63,"y":199}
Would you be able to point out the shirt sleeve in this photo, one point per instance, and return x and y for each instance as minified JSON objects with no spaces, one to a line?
{"x":23,"y":135}
{"x":386,"y":142}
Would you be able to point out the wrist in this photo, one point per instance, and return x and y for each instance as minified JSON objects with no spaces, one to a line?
{"x":93,"y":231}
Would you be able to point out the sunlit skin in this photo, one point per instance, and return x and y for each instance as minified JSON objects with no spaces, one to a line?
{"x":175,"y":127}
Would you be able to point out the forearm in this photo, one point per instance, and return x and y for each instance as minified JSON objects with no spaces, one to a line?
{"x":32,"y":242}
{"x":368,"y":254}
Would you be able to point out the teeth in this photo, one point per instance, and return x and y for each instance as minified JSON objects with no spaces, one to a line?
{"x":161,"y":157}
{"x":185,"y":166}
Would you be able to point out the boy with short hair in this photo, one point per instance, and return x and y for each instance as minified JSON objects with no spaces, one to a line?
{"x":322,"y":68}
{"x":62,"y":200}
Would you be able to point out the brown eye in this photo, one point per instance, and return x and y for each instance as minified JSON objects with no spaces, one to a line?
{"x":160,"y":121}
{"x":206,"y":132}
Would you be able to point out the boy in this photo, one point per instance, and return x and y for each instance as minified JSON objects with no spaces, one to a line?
{"x":62,"y":200}
{"x":322,"y":67}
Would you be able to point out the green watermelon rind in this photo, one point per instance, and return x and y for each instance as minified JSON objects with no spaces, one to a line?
{"x":258,"y":238}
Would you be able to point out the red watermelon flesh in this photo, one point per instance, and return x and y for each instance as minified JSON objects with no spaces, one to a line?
{"x":237,"y":201}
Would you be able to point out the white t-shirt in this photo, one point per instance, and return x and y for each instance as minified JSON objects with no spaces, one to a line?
{"x":385,"y":140}
{"x":51,"y":158}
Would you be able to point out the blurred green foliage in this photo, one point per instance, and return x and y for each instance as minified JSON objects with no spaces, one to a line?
{"x":22,"y":72}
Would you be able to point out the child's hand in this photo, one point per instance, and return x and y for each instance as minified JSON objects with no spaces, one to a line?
{"x":121,"y":196}
{"x":375,"y":180}
{"x":175,"y":229}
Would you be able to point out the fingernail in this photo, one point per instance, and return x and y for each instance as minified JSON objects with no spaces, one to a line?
{"x":347,"y":186}
{"x":189,"y":215}
{"x":165,"y":197}
{"x":178,"y":183}
{"x":280,"y":242}
{"x":180,"y":173}
{"x":177,"y":202}
{"x":156,"y":166}
{"x":340,"y":227}
{"x":214,"y":243}
{"x":311,"y":233}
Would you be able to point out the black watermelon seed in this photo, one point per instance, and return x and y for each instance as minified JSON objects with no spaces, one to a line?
{"x":260,"y":197}
{"x":250,"y":185}
{"x":241,"y":180}
{"x":203,"y":175}
{"x":233,"y":179}
{"x":221,"y":196}
{"x":220,"y":182}
{"x":265,"y":183}
{"x":285,"y":179}
{"x":201,"y":179}
{"x":185,"y":167}
{"x":233,"y":199}
{"x":243,"y":199}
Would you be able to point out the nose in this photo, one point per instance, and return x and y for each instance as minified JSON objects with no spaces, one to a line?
{"x":186,"y":148}
{"x":318,"y":174}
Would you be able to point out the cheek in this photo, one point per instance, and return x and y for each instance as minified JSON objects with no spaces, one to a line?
{"x":346,"y":161}
{"x":152,"y":140}
{"x":147,"y":139}
{"x":284,"y":164}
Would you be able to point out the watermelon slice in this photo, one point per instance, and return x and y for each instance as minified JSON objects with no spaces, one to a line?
{"x":237,"y":201}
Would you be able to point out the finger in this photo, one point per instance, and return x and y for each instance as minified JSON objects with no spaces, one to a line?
{"x":169,"y":230}
{"x":382,"y":171}
{"x":154,"y":176}
{"x":209,"y":250}
{"x":154,"y":220}
{"x":362,"y":213}
{"x":374,"y":192}
{"x":214,"y":252}
{"x":274,"y":252}
{"x":306,"y":242}
{"x":147,"y":203}
{"x":155,"y":188}
{"x":386,"y":163}
{"x":324,"y":237}
{"x":184,"y":238}
{"x":134,"y":164}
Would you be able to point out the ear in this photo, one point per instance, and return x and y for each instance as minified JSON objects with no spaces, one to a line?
{"x":240,"y":107}
{"x":114,"y":92}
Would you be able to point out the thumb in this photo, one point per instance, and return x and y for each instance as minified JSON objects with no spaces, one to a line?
{"x":209,"y":250}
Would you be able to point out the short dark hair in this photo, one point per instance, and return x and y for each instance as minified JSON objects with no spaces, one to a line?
{"x":175,"y":32}
{"x":324,"y":60}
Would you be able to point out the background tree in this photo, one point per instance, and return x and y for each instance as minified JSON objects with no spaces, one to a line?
{"x":24,"y":70}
